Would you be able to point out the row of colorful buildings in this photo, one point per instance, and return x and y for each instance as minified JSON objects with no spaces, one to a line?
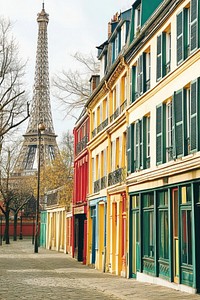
{"x":136,"y":202}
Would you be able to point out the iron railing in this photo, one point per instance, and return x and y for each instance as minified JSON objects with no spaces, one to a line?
{"x":116,"y":176}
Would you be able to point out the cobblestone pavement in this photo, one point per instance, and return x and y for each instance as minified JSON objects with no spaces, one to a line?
{"x":53,"y":275}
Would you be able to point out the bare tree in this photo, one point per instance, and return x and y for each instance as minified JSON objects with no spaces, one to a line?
{"x":72,"y":87}
{"x":15,"y":193}
{"x":57,"y":177}
{"x":13,"y":107}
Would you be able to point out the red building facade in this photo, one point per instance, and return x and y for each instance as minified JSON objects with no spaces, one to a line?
{"x":79,"y":209}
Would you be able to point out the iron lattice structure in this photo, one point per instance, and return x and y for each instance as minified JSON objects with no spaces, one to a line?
{"x":40,"y":110}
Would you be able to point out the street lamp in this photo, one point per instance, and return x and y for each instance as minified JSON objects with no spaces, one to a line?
{"x":20,"y":234}
{"x":41,"y":129}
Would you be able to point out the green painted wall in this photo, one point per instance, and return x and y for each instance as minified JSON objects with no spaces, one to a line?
{"x":148,"y":9}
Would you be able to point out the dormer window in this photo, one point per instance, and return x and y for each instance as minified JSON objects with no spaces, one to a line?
{"x":116,"y":46}
{"x":137,"y":19}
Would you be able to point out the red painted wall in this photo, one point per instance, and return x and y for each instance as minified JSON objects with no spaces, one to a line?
{"x":27,"y":229}
{"x":81,"y":169}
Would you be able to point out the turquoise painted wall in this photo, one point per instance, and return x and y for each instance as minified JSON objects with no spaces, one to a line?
{"x":43,"y":225}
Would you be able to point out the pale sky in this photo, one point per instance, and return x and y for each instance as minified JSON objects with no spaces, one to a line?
{"x":74,"y":25}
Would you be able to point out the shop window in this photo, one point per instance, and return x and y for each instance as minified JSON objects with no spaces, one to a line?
{"x":148,"y":225}
{"x":163,"y":199}
{"x":186,"y":194}
{"x":186,"y":220}
{"x":163,"y":222}
{"x":135,"y":202}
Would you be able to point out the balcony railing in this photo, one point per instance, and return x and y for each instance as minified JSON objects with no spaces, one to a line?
{"x":97,"y":186}
{"x":103,"y":182}
{"x":82,"y":144}
{"x":123,"y":106}
{"x":94,"y":132}
{"x":117,"y":112}
{"x":99,"y":128}
{"x":116,"y":176}
{"x":104,"y":123}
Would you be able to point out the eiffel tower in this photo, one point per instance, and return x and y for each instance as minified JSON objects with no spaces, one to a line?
{"x":40,"y":110}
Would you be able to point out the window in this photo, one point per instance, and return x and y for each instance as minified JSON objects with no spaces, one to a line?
{"x":141,"y":73}
{"x":188,"y":123}
{"x":113,"y":156}
{"x":98,"y":115}
{"x":148,"y":71}
{"x":187,"y":31}
{"x":134,"y":94}
{"x":116,"y":46}
{"x":96,"y":167}
{"x":163,"y":227}
{"x":148,"y":142}
{"x":186,"y":236}
{"x":137,"y":19}
{"x":168,"y":52}
{"x":148,"y":225}
{"x":129,"y":147}
{"x":179,"y":119}
{"x":123,"y":34}
{"x":94,"y":120}
{"x":160,"y":145}
{"x":118,"y":95}
{"x":105,"y":109}
{"x":105,"y":162}
{"x":123,"y":90}
{"x":186,"y":194}
{"x":93,"y":172}
{"x":193,"y":113}
{"x":163,"y":54}
{"x":169,"y":137}
{"x":142,"y":143}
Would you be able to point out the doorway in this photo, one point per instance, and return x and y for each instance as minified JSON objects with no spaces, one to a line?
{"x":175,"y":238}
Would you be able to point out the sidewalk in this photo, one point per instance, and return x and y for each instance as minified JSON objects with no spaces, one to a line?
{"x":53,"y":275}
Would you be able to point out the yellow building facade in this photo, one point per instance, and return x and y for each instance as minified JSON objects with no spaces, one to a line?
{"x":144,"y":149}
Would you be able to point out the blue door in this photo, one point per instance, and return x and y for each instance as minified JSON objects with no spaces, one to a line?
{"x":93,"y":216}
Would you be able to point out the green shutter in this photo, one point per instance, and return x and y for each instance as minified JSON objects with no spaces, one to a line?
{"x":179,"y":123}
{"x":141,"y":74}
{"x":119,"y":41}
{"x":193,"y":25}
{"x":144,"y":71}
{"x":137,"y":145}
{"x":194,"y":116}
{"x":113,"y":51}
{"x":159,"y":57}
{"x":179,"y":38}
{"x":129,"y":144}
{"x":138,"y":77}
{"x":164,"y":54}
{"x":144,"y":144}
{"x":159,"y":134}
{"x":133,"y":81}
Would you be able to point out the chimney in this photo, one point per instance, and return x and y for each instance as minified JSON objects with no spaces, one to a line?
{"x":109,"y":29}
{"x":94,"y":81}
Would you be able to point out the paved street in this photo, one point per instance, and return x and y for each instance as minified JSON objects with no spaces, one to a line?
{"x":52,"y":275}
